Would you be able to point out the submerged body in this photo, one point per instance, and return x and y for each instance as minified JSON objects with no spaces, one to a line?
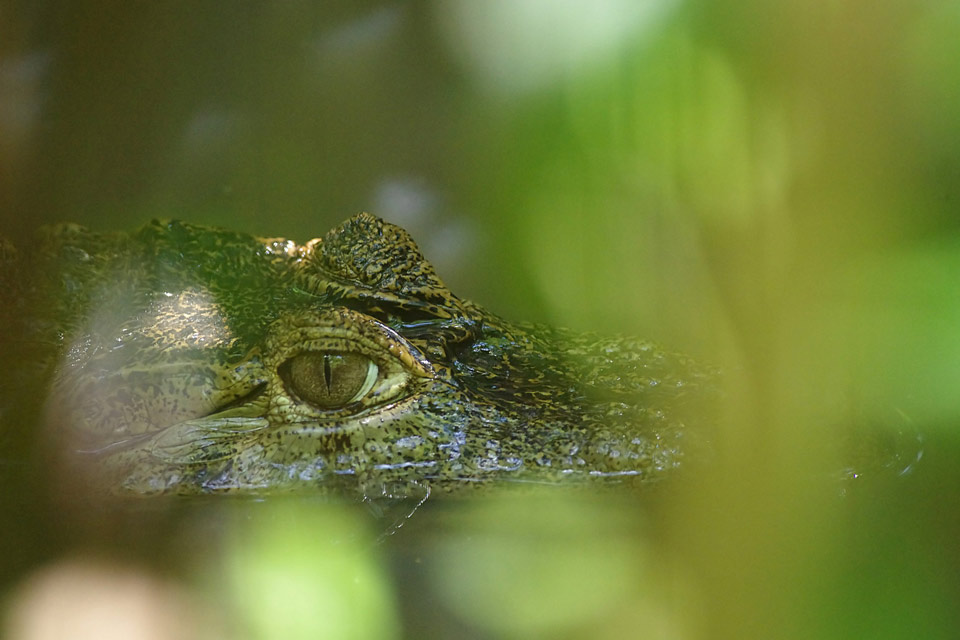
{"x":186,"y":359}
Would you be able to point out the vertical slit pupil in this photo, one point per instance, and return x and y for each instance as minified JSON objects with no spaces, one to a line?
{"x":327,"y":375}
{"x":327,"y":380}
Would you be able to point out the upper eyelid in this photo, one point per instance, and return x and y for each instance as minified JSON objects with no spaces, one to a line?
{"x":344,"y":346}
{"x":346,"y":330}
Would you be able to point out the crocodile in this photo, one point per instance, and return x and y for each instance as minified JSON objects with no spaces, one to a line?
{"x":184,"y":359}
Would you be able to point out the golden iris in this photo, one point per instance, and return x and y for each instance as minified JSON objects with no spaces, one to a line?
{"x":329,"y":380}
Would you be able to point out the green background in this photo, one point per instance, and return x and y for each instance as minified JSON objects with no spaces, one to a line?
{"x":772,"y":186}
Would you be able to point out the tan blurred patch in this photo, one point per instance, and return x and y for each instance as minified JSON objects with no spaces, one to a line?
{"x":81,"y":599}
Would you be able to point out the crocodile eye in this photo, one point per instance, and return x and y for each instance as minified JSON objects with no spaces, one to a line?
{"x":329,"y":379}
{"x":338,"y":362}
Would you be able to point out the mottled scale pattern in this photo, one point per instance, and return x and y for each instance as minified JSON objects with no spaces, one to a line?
{"x":158,"y":361}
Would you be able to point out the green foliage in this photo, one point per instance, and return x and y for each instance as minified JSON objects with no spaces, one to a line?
{"x":771,"y":186}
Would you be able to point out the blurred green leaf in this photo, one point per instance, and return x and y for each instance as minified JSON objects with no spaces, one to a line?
{"x":304,"y":570}
{"x":907,"y":342}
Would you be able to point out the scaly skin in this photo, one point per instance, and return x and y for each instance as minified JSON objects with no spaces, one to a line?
{"x":173,"y":362}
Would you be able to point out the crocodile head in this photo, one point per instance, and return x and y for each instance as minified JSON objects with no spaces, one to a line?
{"x":186,"y":359}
